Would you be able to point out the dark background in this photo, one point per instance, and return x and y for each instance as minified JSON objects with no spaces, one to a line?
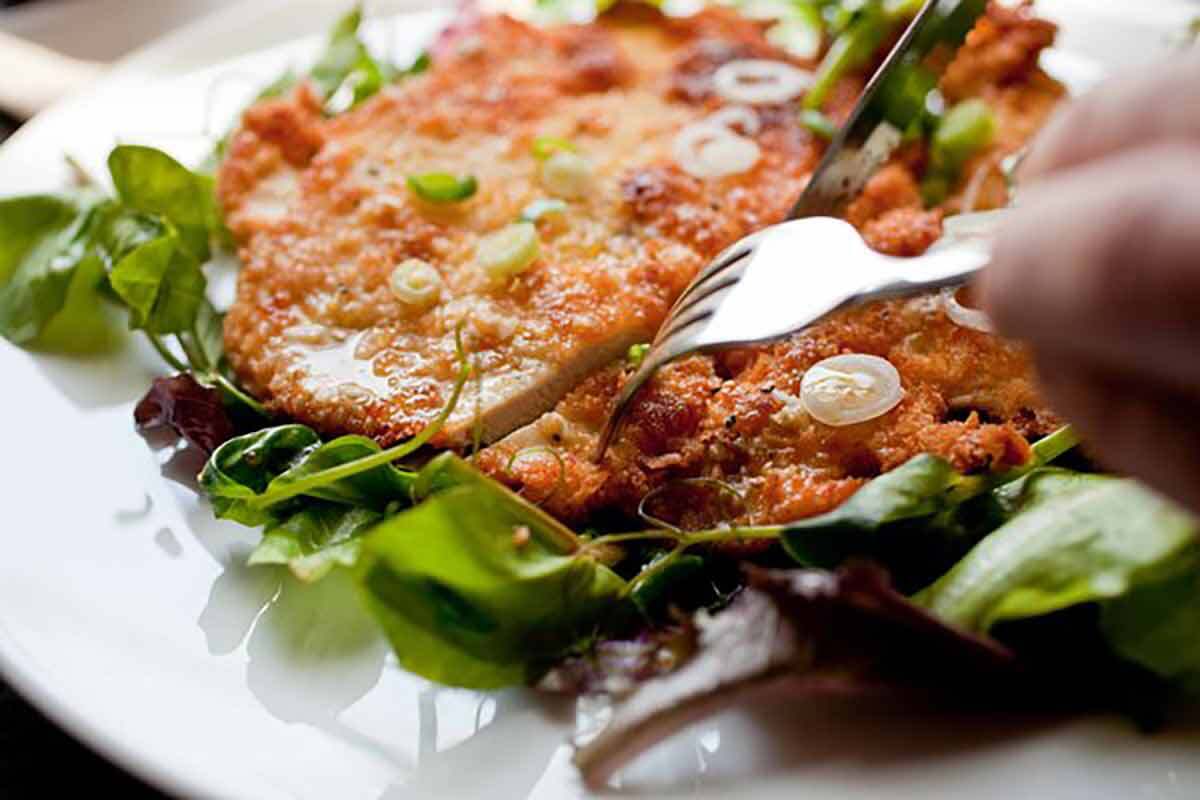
{"x":36,"y":758}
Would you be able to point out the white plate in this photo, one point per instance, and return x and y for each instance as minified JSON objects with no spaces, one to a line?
{"x":127,"y":615}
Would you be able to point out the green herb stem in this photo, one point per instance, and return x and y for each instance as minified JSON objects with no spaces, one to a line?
{"x":352,"y":468}
{"x":1044,"y":451}
{"x":233,"y":389}
{"x":195,"y":355}
{"x":656,"y":567}
{"x":849,"y":50}
{"x":166,"y":354}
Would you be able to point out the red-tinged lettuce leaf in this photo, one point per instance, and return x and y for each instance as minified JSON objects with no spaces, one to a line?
{"x":194,"y":412}
{"x":802,"y":632}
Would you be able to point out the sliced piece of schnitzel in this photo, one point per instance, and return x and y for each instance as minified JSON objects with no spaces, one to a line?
{"x":323,"y":216}
{"x":736,"y":419}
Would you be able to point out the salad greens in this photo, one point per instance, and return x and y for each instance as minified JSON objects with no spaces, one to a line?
{"x":346,"y":73}
{"x":1071,"y":538}
{"x":922,"y":513}
{"x":315,"y":499}
{"x":1155,"y":626}
{"x":194,"y":412}
{"x":477,"y":587}
{"x":46,"y":254}
{"x":143,"y":248}
{"x":791,"y":634}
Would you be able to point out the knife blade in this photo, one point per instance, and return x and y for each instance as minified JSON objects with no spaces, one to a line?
{"x":890,"y":104}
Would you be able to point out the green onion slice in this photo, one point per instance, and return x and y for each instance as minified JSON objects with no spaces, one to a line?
{"x":542,"y":207}
{"x":508,"y":251}
{"x":545,"y":146}
{"x":637,"y":354}
{"x":966,"y":129}
{"x":442,"y":187}
{"x":818,"y":123}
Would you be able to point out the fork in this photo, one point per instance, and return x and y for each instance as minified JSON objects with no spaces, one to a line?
{"x":753,"y":292}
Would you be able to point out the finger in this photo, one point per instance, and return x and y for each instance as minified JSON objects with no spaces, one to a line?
{"x":1137,"y":427}
{"x":1102,"y":263}
{"x":1159,"y":103}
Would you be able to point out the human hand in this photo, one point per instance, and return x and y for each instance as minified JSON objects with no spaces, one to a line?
{"x":1099,"y":271}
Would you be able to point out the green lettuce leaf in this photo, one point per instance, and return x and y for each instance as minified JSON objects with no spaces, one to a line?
{"x":475,"y":587}
{"x":316,"y":539}
{"x":346,"y":68}
{"x":246,"y":475}
{"x":1158,"y":627}
{"x":145,"y":246}
{"x":161,"y":285}
{"x":345,"y":74}
{"x":150,"y":181}
{"x":1073,"y":538}
{"x":43,"y":241}
{"x":917,"y":519}
{"x":919,"y":489}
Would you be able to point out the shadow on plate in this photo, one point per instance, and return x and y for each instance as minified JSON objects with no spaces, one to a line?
{"x":114,"y":376}
{"x":504,"y":758}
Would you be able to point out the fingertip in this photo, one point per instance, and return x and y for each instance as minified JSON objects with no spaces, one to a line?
{"x":1000,"y":285}
{"x":1046,"y":150}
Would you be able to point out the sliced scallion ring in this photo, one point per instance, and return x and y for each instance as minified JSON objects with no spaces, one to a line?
{"x":636,"y":354}
{"x":416,"y":283}
{"x":567,"y":175}
{"x":757,"y":81}
{"x":797,"y":36}
{"x":706,"y":150}
{"x":818,"y":124}
{"x":964,"y":316}
{"x":735,"y":117}
{"x":542,"y":207}
{"x":848,"y":389}
{"x":545,"y":146}
{"x":965,"y":130}
{"x":508,"y":251}
{"x":442,"y":187}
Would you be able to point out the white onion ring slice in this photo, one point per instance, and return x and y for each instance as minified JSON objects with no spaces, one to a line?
{"x":757,"y":81}
{"x":705,"y":150}
{"x":735,"y":118}
{"x":849,"y":389}
{"x":964,"y":316}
